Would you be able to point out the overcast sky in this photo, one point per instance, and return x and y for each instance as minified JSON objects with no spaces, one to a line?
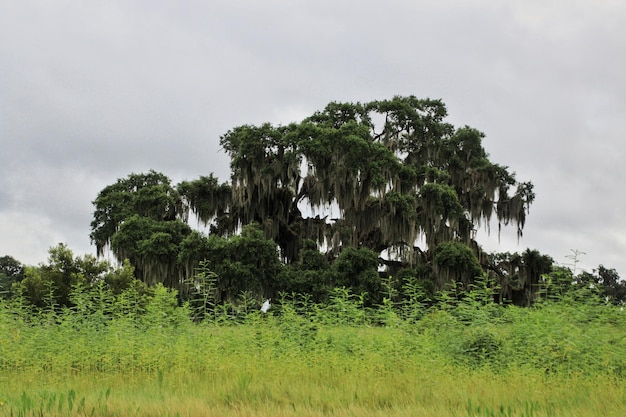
{"x":91,"y":91}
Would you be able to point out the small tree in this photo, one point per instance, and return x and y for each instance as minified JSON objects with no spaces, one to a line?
{"x":613,"y":288}
{"x":11,"y":271}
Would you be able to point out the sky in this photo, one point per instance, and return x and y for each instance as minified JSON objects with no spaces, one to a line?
{"x":94,"y":91}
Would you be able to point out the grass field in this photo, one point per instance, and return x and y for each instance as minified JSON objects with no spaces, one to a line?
{"x":556,"y":360}
{"x":312,"y":391}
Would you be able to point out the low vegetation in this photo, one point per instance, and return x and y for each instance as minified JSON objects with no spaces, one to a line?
{"x":132,"y":354}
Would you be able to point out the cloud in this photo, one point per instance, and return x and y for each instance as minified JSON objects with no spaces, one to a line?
{"x":93,"y":91}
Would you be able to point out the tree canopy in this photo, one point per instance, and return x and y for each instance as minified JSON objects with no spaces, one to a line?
{"x":392,"y":173}
{"x":391,"y":178}
{"x":11,"y":271}
{"x":142,"y":218}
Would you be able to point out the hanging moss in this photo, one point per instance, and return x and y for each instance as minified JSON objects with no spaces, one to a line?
{"x":411,"y":177}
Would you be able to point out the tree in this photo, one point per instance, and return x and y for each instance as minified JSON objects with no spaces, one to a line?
{"x":357,"y":269}
{"x":613,"y":288}
{"x":520,"y":276}
{"x":311,"y":274}
{"x":143,"y":218}
{"x":394,"y":171}
{"x":605,"y":283}
{"x":248,"y":263}
{"x":455,"y":261}
{"x":50,"y":284}
{"x":11,"y":271}
{"x":207,"y":198}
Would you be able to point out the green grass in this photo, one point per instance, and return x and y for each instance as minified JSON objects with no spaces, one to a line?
{"x":555,"y":360}
{"x":287,"y":389}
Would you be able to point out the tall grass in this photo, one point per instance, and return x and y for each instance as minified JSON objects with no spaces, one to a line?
{"x":289,"y":389}
{"x":465,"y":357}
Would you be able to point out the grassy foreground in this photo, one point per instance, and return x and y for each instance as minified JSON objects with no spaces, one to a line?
{"x":313,"y":391}
{"x":557,"y":360}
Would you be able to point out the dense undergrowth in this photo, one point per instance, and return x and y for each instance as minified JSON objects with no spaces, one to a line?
{"x":111,"y":333}
{"x":460,"y":353}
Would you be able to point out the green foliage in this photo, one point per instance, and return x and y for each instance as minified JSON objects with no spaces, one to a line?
{"x":245,"y":263}
{"x":142,"y":218}
{"x":209,"y":200}
{"x":520,"y":276}
{"x":296,"y":323}
{"x":556,"y":284}
{"x":120,"y":279}
{"x":408,"y":178}
{"x":152,"y":248}
{"x":606,"y":283}
{"x":203,"y":287}
{"x":146,"y":195}
{"x":455,"y":261}
{"x":417,"y":292}
{"x":32,"y":287}
{"x":311,"y":275}
{"x":56,"y":278}
{"x":11,"y":271}
{"x":344,"y":307}
{"x":477,"y":306}
{"x":162,"y":310}
{"x":480,"y":347}
{"x":97,"y":303}
{"x":147,"y":330}
{"x":398,"y":174}
{"x":72,"y":282}
{"x":604,"y":286}
{"x":357,"y":270}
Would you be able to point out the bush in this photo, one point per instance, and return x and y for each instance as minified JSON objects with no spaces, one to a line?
{"x":480,"y":347}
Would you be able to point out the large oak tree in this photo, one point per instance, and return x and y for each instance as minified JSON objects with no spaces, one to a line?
{"x":391,"y":177}
{"x":397,"y":177}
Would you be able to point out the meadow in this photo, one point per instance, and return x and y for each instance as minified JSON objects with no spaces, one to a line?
{"x":457,"y":358}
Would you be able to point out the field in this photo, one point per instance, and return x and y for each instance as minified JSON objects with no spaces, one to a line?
{"x":557,"y":359}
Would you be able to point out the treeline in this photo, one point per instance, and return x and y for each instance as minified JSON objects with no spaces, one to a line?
{"x":95,"y":317}
{"x":245,"y":270}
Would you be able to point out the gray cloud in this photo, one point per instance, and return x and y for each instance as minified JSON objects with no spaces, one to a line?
{"x":90,"y":92}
